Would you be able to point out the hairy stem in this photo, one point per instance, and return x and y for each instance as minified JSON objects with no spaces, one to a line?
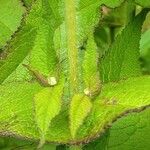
{"x":70,"y":18}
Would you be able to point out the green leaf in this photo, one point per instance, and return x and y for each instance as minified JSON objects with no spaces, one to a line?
{"x":8,"y":143}
{"x":50,"y":20}
{"x":79,"y":109}
{"x":144,"y":43}
{"x":43,"y":56}
{"x":14,"y":58}
{"x":128,"y":133}
{"x":131,"y":132}
{"x":116,"y":100}
{"x":10,"y":18}
{"x":121,"y":61}
{"x":144,"y":3}
{"x":47,"y":105}
{"x":16,"y":104}
{"x":34,"y":40}
{"x":145,"y":51}
{"x":90,"y":68}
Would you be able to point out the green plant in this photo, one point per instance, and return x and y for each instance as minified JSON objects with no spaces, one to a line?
{"x":57,"y":85}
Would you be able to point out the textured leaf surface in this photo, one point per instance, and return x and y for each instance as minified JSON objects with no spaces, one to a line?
{"x":14,"y":143}
{"x":43,"y":55}
{"x":35,"y":40}
{"x":90,"y":69}
{"x":11,"y":12}
{"x":44,"y":21}
{"x":47,"y":105}
{"x":121,"y":61}
{"x":144,"y":3}
{"x":145,"y":51}
{"x":74,"y":26}
{"x":128,"y":133}
{"x":50,"y":20}
{"x":17,"y":105}
{"x":133,"y":132}
{"x":14,"y":58}
{"x":79,"y":109}
{"x":115,"y":100}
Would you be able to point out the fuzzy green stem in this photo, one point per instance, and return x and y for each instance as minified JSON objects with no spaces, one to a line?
{"x":70,"y":19}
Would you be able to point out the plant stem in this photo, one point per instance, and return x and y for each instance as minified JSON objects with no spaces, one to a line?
{"x":70,"y":19}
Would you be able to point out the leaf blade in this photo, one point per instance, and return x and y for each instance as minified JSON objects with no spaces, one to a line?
{"x":105,"y":110}
{"x":90,"y":69}
{"x":122,"y":59}
{"x":79,"y":109}
{"x":10,"y":18}
{"x":47,"y":104}
{"x":32,"y":44}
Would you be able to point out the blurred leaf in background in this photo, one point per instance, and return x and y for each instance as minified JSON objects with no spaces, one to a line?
{"x":8,"y":143}
{"x":145,"y":46}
